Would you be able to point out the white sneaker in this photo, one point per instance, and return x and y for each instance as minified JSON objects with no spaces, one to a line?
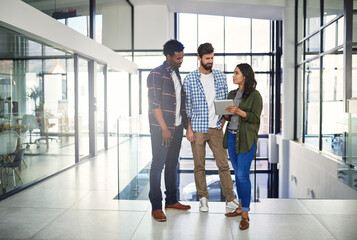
{"x":232,"y":205}
{"x":203,"y":204}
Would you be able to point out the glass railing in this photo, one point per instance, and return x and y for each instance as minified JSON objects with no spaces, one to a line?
{"x":134,"y":161}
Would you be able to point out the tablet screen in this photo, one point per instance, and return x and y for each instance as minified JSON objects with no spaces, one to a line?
{"x":220,"y":105}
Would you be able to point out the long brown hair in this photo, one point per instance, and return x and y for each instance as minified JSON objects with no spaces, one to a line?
{"x":250,"y":82}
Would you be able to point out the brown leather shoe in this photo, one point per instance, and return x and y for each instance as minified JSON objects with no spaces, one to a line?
{"x":244,"y":223}
{"x":159,"y":215}
{"x":235,"y":213}
{"x":177,"y":206}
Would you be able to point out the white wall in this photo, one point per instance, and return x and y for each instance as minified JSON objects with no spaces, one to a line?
{"x":153,"y":26}
{"x":311,"y":170}
{"x":117,"y":26}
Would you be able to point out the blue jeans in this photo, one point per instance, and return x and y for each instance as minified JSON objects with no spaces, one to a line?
{"x":241,"y":164}
{"x":168,"y":157}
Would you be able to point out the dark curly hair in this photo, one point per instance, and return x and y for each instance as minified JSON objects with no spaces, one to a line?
{"x":172,"y":46}
{"x":250,"y":82}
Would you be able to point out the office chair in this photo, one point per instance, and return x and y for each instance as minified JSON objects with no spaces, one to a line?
{"x":14,"y":164}
{"x":46,"y":125}
{"x":8,"y":143}
{"x":31,"y":123}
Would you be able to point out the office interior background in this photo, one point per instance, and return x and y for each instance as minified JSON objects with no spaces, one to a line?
{"x":73,"y":85}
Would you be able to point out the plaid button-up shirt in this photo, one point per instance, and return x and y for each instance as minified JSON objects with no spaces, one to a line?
{"x":161,"y":93}
{"x":196,"y":104}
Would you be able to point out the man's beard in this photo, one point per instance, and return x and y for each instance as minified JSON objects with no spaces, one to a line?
{"x":206,"y":67}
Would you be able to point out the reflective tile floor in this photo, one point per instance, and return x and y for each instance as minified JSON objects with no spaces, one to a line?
{"x":79,"y":204}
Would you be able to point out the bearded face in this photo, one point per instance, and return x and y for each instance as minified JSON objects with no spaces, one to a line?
{"x":207,"y":61}
{"x":207,"y":66}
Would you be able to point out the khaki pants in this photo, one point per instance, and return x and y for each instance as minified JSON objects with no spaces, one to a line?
{"x":214,"y":138}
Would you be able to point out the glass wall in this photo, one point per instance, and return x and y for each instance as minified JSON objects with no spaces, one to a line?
{"x":312,"y":109}
{"x":36,"y":108}
{"x":118,"y":107}
{"x":99,"y":105}
{"x":323,"y":83}
{"x":83,"y":107}
{"x":74,"y":14}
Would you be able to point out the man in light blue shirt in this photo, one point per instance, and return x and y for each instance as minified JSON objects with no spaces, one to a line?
{"x":202,"y":87}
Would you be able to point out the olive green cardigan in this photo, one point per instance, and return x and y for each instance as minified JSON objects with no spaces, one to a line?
{"x":248,"y":127}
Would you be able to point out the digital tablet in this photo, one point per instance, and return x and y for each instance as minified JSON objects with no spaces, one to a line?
{"x":220,"y":105}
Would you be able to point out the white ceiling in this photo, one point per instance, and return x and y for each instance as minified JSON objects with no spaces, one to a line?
{"x":264,"y":9}
{"x":268,"y":9}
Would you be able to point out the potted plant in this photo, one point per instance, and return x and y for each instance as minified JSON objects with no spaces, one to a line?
{"x":35,"y":94}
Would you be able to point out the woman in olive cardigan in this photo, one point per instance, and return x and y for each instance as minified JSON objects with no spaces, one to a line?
{"x":241,"y":135}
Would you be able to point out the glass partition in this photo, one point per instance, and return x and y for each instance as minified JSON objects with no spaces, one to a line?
{"x":333,"y":125}
{"x":312,"y":108}
{"x":134,"y":158}
{"x":118,"y":97}
{"x":83,"y":108}
{"x":36,"y":106}
{"x":100,"y":95}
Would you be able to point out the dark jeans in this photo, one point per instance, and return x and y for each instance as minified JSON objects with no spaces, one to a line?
{"x":168,"y":157}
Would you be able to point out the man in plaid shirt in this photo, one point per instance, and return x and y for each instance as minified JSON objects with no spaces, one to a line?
{"x":167,"y":117}
{"x":202,"y":87}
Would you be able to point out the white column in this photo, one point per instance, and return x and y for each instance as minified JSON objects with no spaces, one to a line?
{"x":287,"y":99}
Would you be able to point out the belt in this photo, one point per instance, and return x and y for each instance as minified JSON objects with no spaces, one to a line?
{"x":232,"y":131}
